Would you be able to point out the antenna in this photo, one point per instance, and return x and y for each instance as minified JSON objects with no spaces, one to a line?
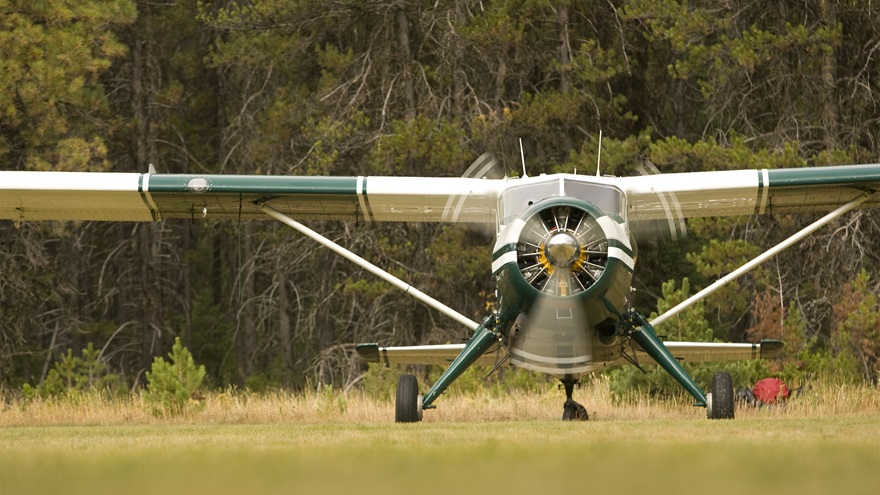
{"x":523,"y":156}
{"x":599,"y":153}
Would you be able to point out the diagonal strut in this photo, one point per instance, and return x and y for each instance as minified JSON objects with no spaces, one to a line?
{"x":730,"y":277}
{"x":366,"y":265}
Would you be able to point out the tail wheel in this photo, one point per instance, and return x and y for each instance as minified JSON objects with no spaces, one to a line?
{"x":721,"y":399}
{"x":408,"y":408}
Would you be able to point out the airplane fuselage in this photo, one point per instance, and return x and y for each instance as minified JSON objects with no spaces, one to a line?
{"x":563,"y":263}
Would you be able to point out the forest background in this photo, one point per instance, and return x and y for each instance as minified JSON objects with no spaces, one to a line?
{"x":420,"y":88}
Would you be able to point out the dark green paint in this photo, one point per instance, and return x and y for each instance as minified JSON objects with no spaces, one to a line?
{"x":647,"y":338}
{"x":503,"y":250}
{"x":267,"y":185}
{"x":482,"y":340}
{"x":823,"y":176}
{"x":234,"y":196}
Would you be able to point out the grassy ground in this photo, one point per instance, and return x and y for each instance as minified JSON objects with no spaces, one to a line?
{"x":319,"y":443}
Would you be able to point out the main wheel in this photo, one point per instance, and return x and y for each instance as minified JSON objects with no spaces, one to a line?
{"x":721,"y":399}
{"x":408,"y":408}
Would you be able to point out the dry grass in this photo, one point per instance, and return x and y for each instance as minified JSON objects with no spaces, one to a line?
{"x":355,"y":407}
{"x":823,"y":442}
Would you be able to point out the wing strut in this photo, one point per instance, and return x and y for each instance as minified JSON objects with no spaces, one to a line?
{"x":730,"y":277}
{"x":391,"y":279}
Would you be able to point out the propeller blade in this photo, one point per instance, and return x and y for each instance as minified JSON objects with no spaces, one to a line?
{"x":484,"y":167}
{"x":674,"y":224}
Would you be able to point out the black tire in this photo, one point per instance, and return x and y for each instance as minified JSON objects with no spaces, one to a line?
{"x":407,"y":408}
{"x":572,"y":411}
{"x":721,"y":406}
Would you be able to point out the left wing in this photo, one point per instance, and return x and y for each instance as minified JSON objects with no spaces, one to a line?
{"x":148,"y":197}
{"x":748,"y":192}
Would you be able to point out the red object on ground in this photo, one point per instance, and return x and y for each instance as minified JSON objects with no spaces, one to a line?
{"x":769,"y":390}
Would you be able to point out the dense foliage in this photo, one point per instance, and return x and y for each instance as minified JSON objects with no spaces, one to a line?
{"x":413,"y":87}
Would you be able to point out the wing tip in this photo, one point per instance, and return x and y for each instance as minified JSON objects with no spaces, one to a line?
{"x":370,"y":352}
{"x":771,"y":348}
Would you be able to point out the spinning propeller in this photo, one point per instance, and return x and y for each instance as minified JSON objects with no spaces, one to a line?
{"x":672,"y":224}
{"x":561,"y":253}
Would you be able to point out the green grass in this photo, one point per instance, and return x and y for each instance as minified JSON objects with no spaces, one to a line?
{"x":800,"y":455}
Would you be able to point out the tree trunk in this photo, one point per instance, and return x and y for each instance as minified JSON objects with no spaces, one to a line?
{"x":245,"y":337}
{"x":564,"y":49}
{"x":829,"y":71}
{"x":284,"y":322}
{"x":406,"y":59}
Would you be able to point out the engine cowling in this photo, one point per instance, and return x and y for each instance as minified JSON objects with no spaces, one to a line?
{"x":564,"y":249}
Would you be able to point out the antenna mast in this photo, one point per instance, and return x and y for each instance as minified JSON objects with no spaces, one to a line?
{"x":599,"y":153}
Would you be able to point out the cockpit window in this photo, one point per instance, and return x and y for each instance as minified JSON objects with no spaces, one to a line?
{"x":607,"y":198}
{"x":516,"y":199}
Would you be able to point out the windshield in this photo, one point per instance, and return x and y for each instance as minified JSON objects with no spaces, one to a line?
{"x":607,"y":198}
{"x":516,"y":199}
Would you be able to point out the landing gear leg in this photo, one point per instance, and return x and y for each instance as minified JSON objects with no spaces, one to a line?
{"x":572,"y":411}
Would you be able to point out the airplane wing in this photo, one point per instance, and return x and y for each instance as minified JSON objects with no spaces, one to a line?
{"x":748,"y":192}
{"x":148,"y":197}
{"x":705,"y":352}
{"x":423,"y":354}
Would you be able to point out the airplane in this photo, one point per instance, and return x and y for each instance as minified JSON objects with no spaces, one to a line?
{"x":563,"y":258}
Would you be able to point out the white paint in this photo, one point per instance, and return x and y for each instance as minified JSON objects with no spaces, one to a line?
{"x":697,"y":194}
{"x":361,"y":199}
{"x":620,"y":254}
{"x":765,"y":176}
{"x":509,"y":257}
{"x":71,"y":196}
{"x":434,"y":199}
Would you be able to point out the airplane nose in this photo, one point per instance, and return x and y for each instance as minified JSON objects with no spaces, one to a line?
{"x":562,"y":250}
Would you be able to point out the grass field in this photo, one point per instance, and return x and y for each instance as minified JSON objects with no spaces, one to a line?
{"x":317,"y":444}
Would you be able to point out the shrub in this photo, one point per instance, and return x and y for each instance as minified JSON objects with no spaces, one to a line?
{"x":74,"y":374}
{"x":172,"y":387}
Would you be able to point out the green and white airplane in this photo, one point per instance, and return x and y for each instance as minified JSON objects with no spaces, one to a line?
{"x":563,"y":259}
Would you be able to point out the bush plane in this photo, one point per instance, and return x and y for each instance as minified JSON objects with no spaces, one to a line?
{"x":563,"y":259}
